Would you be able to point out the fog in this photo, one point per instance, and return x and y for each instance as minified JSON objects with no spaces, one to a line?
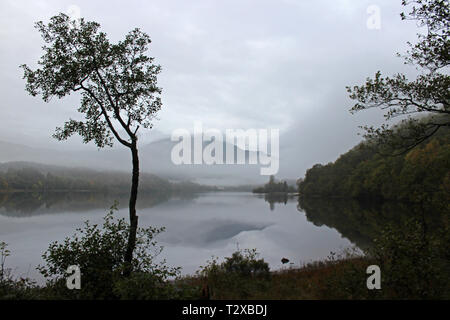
{"x":229,"y":64}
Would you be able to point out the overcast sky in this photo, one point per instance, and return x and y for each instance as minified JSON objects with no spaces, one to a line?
{"x":230,"y":64}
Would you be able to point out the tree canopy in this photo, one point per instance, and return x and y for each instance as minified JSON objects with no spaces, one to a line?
{"x":427,"y":94}
{"x":117,"y":82}
{"x":421,"y":175}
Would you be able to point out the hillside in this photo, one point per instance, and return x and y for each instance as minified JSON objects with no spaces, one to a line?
{"x":421,"y":174}
{"x":30,"y":176}
{"x":155,"y":158}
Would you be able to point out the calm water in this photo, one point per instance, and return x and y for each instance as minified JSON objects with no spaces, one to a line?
{"x":197,"y":227}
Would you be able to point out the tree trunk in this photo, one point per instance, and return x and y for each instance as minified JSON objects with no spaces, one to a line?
{"x":133,"y":217}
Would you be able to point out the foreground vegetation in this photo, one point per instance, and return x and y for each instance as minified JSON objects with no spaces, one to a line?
{"x":415,"y":265}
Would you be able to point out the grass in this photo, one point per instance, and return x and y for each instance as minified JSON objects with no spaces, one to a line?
{"x":343,"y":278}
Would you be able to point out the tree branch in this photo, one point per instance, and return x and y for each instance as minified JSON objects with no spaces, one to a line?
{"x":114,"y":106}
{"x":108,"y":120}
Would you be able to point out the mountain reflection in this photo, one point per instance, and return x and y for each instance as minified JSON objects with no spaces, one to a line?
{"x":26,"y":204}
{"x":358,"y":221}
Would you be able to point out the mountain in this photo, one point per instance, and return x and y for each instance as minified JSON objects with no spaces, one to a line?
{"x":30,"y":176}
{"x":155,"y":157}
{"x":110,"y":159}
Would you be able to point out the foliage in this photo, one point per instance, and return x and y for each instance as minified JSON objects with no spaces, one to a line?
{"x":238,"y":276}
{"x":415,"y":262}
{"x":99,"y":252}
{"x":421,"y":175}
{"x":28,"y":178}
{"x":343,"y":276}
{"x":10,"y":288}
{"x":117,"y":82}
{"x":17,"y":289}
{"x":427,"y":94}
{"x":33,"y":177}
{"x":4,"y":253}
{"x":274,"y":187}
{"x":411,"y":251}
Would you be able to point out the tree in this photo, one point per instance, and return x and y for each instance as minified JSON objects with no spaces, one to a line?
{"x":117,"y":84}
{"x":427,"y":94}
{"x":272,"y":180}
{"x":98,"y":251}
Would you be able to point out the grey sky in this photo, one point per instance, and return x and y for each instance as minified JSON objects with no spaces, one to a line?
{"x":230,"y":64}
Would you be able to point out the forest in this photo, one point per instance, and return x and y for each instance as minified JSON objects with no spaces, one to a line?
{"x":33,"y":177}
{"x":275,"y":187}
{"x":364,"y":172}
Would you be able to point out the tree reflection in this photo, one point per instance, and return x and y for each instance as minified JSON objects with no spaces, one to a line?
{"x":361,"y":221}
{"x":273,"y":198}
{"x":25,"y":204}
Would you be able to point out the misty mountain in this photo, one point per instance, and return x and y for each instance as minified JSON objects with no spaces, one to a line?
{"x":155,"y":158}
{"x":105,"y":159}
{"x":36,"y":177}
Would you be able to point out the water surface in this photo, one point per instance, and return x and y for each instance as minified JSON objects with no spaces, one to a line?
{"x":197,"y":227}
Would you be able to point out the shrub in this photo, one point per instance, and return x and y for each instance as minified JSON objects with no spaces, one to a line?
{"x":99,"y":253}
{"x":237,"y":277}
{"x":414,"y":264}
{"x":11,"y":288}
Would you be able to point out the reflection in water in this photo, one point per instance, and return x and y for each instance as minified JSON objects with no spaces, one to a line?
{"x":204,"y":225}
{"x":281,"y":197}
{"x":229,"y":230}
{"x":360,"y":221}
{"x":27,"y":204}
{"x":211,"y":224}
